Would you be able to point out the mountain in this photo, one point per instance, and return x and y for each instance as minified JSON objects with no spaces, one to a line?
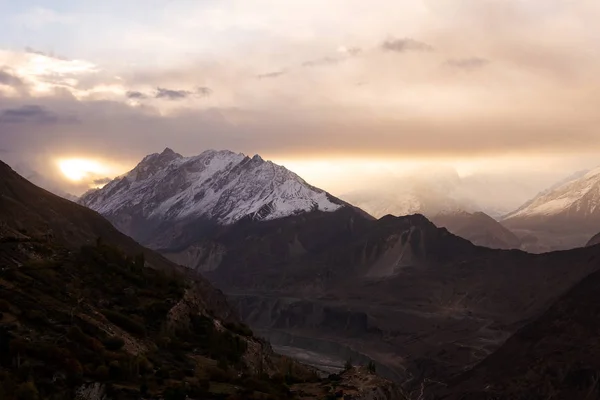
{"x":594,"y":240}
{"x":415,"y":299}
{"x":169,"y":196}
{"x":325,"y":286}
{"x":562,"y":217}
{"x":442,"y":196}
{"x":554,"y":356}
{"x":475,"y":226}
{"x":40,"y":180}
{"x":88,"y":313}
{"x":479,"y":228}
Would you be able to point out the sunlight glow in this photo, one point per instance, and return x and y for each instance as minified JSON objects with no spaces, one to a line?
{"x":76,"y":169}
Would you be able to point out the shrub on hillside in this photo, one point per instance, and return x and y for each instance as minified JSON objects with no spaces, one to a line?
{"x":114,"y":343}
{"x":219,"y":375}
{"x":239,"y":328}
{"x":27,"y":391}
{"x":102,"y":373}
{"x":125,"y":322}
{"x":4,"y":305}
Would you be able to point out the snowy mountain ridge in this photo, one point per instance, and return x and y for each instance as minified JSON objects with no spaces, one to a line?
{"x":220,"y":185}
{"x":578,"y":194}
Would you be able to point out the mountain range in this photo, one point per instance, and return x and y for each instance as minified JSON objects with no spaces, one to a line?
{"x":88,"y":313}
{"x":563,"y":216}
{"x":314,"y":274}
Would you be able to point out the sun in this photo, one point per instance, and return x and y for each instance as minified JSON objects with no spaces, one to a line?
{"x":76,"y":169}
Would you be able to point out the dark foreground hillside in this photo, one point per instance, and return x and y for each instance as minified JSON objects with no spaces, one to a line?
{"x":99,"y":317}
{"x":557,"y":356}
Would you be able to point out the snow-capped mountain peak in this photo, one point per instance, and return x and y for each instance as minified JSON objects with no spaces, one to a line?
{"x":564,"y":216}
{"x":222,"y":186}
{"x":579,"y":194}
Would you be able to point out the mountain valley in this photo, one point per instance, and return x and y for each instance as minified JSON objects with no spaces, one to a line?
{"x":421,"y":303}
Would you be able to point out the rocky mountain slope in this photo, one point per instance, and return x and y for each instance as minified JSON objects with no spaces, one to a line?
{"x":85,"y":311}
{"x":555,"y":356}
{"x":414,"y":298}
{"x":167,"y":191}
{"x":479,"y":228}
{"x":562,"y":217}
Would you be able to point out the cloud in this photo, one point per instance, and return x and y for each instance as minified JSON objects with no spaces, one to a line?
{"x":405,"y":45}
{"x":132,"y":94}
{"x":274,"y":74}
{"x":27,"y":113}
{"x":469,"y":63}
{"x":352,"y":51}
{"x":543,"y":58}
{"x":50,"y":54}
{"x":346,"y":53}
{"x":319,"y":62}
{"x":171,"y":94}
{"x":203,"y":91}
{"x":101,"y":181}
{"x":9,"y":79}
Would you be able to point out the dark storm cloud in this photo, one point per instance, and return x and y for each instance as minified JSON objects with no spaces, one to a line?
{"x":171,"y":94}
{"x":469,"y":63}
{"x":9,"y":79}
{"x":27,"y":113}
{"x":274,"y":74}
{"x":405,"y":45}
{"x":101,"y":181}
{"x":136,"y":95}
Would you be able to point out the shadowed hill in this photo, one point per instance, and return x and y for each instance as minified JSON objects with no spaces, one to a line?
{"x":479,"y":228}
{"x":556,"y":356}
{"x":594,"y":241}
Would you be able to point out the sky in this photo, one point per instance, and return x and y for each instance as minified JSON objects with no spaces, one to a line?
{"x":351,"y":95}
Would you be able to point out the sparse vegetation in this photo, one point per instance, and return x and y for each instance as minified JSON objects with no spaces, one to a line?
{"x":27,"y":391}
{"x":371,"y":367}
{"x":114,"y":343}
{"x":239,"y":328}
{"x":348,"y":365}
{"x":4,"y":306}
{"x":63,"y":303}
{"x":125,"y":322}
